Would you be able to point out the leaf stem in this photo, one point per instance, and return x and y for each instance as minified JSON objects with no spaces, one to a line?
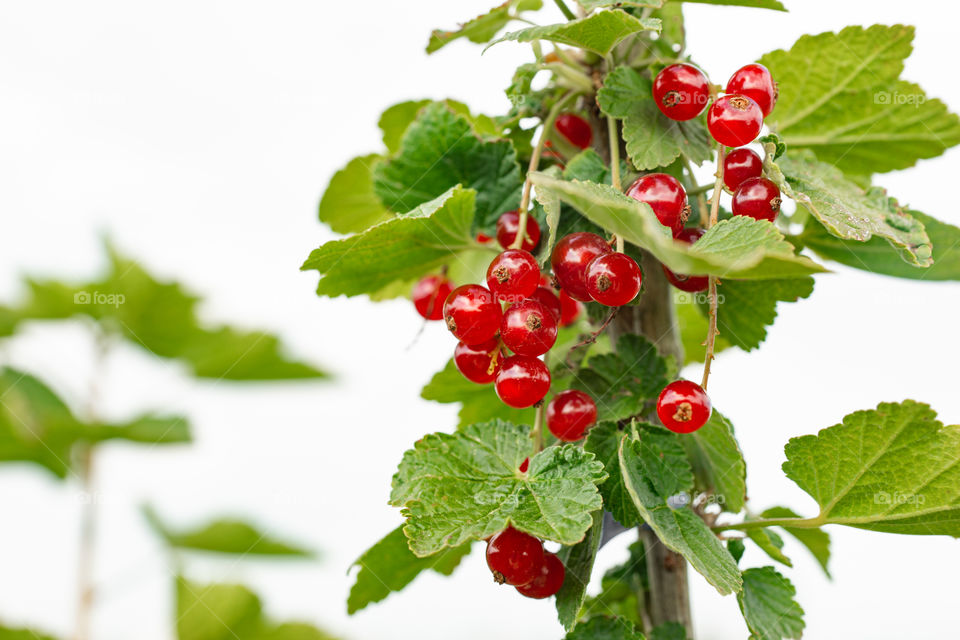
{"x":797,"y":523}
{"x":712,"y":220}
{"x":537,"y":432}
{"x":569,"y":15}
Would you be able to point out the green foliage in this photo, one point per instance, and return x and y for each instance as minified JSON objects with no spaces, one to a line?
{"x":604,"y":628}
{"x":349,"y":204}
{"x":770,"y":543}
{"x":694,"y":327}
{"x":669,"y":631}
{"x":776,"y":5}
{"x":768,"y":606}
{"x":479,"y":401}
{"x":484,"y":27}
{"x":816,"y":540}
{"x":748,"y":307}
{"x":718,"y":465}
{"x":603,"y":441}
{"x":7,"y":633}
{"x":621,"y":588}
{"x":395,"y":120}
{"x":598,"y":33}
{"x":578,"y":561}
{"x":389,"y":566}
{"x":468,"y":485}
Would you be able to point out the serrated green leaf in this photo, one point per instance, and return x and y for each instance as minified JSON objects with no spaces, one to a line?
{"x":654,"y":469}
{"x":841,"y":96}
{"x":849,"y":212}
{"x":395,"y":120}
{"x":604,"y":628}
{"x":776,"y":5}
{"x":669,"y":631}
{"x":816,"y":540}
{"x":485,"y":26}
{"x":895,"y":468}
{"x":389,"y":566}
{"x":578,"y":563}
{"x":399,"y":249}
{"x":652,"y":139}
{"x":768,"y":606}
{"x":738,"y":248}
{"x":598,"y":33}
{"x":479,"y":401}
{"x":603,"y":441}
{"x":717,"y":462}
{"x":747,"y":307}
{"x":770,"y":543}
{"x":349,"y":204}
{"x":467,"y":485}
{"x":439,"y":151}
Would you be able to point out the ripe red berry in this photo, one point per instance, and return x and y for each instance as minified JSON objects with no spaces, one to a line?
{"x":507,"y":226}
{"x":514,"y":557}
{"x":614,"y":279}
{"x":524,"y":465}
{"x":757,"y":198}
{"x":690,"y":284}
{"x":681,"y":91}
{"x":666,"y":197}
{"x":570,"y":414}
{"x":429,"y":295}
{"x":734,"y":120}
{"x":548,"y":581}
{"x":513,"y":275}
{"x":522,"y":381}
{"x":683,"y":406}
{"x":483,"y":238}
{"x":739,"y":165}
{"x":575,"y":129}
{"x":472,"y":314}
{"x":549,"y":299}
{"x":528,"y":328}
{"x":570,"y":259}
{"x":569,"y":309}
{"x":480,"y":362}
{"x":754,"y":81}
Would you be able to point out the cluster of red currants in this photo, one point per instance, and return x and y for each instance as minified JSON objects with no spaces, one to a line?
{"x":519,"y":559}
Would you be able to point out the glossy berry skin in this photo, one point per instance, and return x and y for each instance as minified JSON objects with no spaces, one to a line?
{"x":514,"y":557}
{"x":666,"y":197}
{"x":507,"y":226}
{"x":548,"y":581}
{"x":528,"y":328}
{"x":754,"y":81}
{"x":522,"y":381}
{"x":734,"y":120}
{"x":569,"y":309}
{"x":479,"y":362}
{"x":550,"y":300}
{"x":429,"y":295}
{"x":513,"y":275}
{"x":614,"y":279}
{"x":472,"y":314}
{"x":757,"y":198}
{"x":570,"y":259}
{"x":575,"y":129}
{"x":524,"y":465}
{"x":681,"y":91}
{"x":683,"y":406}
{"x":570,"y":414}
{"x":690,"y":284}
{"x":739,"y":165}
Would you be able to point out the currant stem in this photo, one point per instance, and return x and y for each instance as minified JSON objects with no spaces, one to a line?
{"x":798,"y":523}
{"x":712,"y":295}
{"x":538,"y":429}
{"x":569,"y":15}
{"x":615,"y":164}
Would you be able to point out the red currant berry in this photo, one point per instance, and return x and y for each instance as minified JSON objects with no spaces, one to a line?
{"x":575,"y":129}
{"x":548,"y":581}
{"x":528,"y":328}
{"x":754,"y":81}
{"x":739,"y":165}
{"x":480,"y":362}
{"x":549,"y":299}
{"x":569,"y":309}
{"x":472,"y":314}
{"x":570,"y":259}
{"x":570,"y":414}
{"x":429,"y":295}
{"x":513,"y":275}
{"x":683,"y":406}
{"x":681,"y":91}
{"x":734,"y":120}
{"x":522,"y":381}
{"x":483,"y":238}
{"x":690,"y":284}
{"x":757,"y":198}
{"x":507,"y":226}
{"x":514,"y":557}
{"x":524,"y":465}
{"x":666,"y":197}
{"x":614,"y":279}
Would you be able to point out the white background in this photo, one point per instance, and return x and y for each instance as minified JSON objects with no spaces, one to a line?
{"x":200,"y":135}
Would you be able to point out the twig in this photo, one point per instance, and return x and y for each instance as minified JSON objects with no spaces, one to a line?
{"x":593,"y":336}
{"x":569,"y":15}
{"x":712,"y":220}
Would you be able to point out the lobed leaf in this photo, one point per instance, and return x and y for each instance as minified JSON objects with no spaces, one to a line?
{"x":599,"y":32}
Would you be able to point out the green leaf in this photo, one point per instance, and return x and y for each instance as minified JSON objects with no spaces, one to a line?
{"x":849,"y":212}
{"x":395,"y":120}
{"x":399,"y":249}
{"x":484,"y":27}
{"x":768,"y":606}
{"x":147,"y":429}
{"x":224,"y":536}
{"x":655,"y":468}
{"x":669,"y":631}
{"x":603,"y":441}
{"x":349,"y":204}
{"x":693,"y":327}
{"x":748,"y":307}
{"x":598,"y":33}
{"x":653,"y":140}
{"x":479,"y":401}
{"x":878,"y":256}
{"x":894,"y":468}
{"x":620,"y":588}
{"x":816,"y":540}
{"x":7,"y":633}
{"x":717,"y":462}
{"x":770,"y":543}
{"x":578,"y":562}
{"x":603,"y":628}
{"x":738,"y":248}
{"x":293,"y":631}
{"x":776,"y":5}
{"x":841,"y":96}
{"x":467,"y":485}
{"x":216,"y":611}
{"x":737,"y":548}
{"x":439,"y":151}
{"x":590,"y":5}
{"x":389,"y":566}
